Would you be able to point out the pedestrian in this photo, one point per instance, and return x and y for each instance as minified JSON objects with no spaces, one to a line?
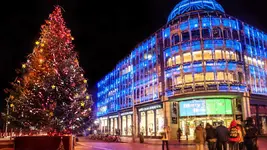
{"x":243,"y":133}
{"x":187,"y":132}
{"x":222,"y":135}
{"x":211,"y":137}
{"x":250,"y":139}
{"x":179,"y":134}
{"x":165,"y":137}
{"x":199,"y":137}
{"x":234,"y":135}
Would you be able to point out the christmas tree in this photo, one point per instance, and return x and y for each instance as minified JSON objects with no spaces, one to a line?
{"x":51,"y":90}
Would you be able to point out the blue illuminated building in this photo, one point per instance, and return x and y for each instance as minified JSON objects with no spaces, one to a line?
{"x":203,"y":66}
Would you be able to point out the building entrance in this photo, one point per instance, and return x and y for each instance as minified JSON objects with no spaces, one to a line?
{"x":189,"y":124}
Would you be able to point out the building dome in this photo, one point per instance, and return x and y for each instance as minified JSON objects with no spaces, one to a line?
{"x":192,"y":5}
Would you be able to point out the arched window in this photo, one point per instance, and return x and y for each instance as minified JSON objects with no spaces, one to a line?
{"x":217,"y":32}
{"x":175,"y":39}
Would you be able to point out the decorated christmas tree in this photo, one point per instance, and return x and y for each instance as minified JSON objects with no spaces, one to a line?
{"x":51,"y":90}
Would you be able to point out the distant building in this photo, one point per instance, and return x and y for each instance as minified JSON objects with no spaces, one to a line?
{"x":203,"y":66}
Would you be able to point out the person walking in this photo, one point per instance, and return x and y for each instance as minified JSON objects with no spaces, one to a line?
{"x":179,"y":134}
{"x":250,"y":139}
{"x":234,"y":135}
{"x":222,"y":135}
{"x":211,"y":137}
{"x":199,"y":137}
{"x":242,"y":135}
{"x":165,"y":137}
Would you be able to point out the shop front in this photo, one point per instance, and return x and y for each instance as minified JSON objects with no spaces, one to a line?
{"x":103,"y":124}
{"x":259,"y":113}
{"x":151,"y":120}
{"x":113,"y":124}
{"x":126,"y":123}
{"x":202,"y":111}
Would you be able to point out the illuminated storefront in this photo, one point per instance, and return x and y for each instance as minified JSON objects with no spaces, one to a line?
{"x":113,"y":124}
{"x":127,"y":123}
{"x":151,"y":120}
{"x":201,"y":111}
{"x":200,"y":60}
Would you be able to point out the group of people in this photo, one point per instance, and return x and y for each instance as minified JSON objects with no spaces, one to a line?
{"x":237,"y":136}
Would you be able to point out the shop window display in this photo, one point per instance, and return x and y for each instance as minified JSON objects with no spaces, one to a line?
{"x":197,"y":55}
{"x":124,"y":127}
{"x":143,"y":123}
{"x":150,"y":123}
{"x":187,"y":57}
{"x":159,"y":121}
{"x":129,"y":124}
{"x":111,"y":126}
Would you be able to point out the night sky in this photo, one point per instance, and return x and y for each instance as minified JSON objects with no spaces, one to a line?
{"x":104,"y":31}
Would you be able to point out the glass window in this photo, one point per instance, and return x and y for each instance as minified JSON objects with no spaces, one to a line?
{"x":187,"y":57}
{"x":227,"y":33}
{"x":169,"y":62}
{"x":129,"y":123}
{"x":227,"y":54}
{"x":188,"y":78}
{"x":254,"y":61}
{"x":209,"y":76}
{"x":178,"y":80}
{"x":143,"y":123}
{"x":207,"y":55}
{"x":150,"y":123}
{"x":230,"y":76}
{"x":175,"y":39}
{"x":177,"y":59}
{"x":195,"y":34}
{"x":218,"y":54}
{"x":124,"y":127}
{"x":220,"y":75}
{"x":167,"y":42}
{"x":185,"y":36}
{"x":197,"y":55}
{"x":233,"y":56}
{"x":159,"y":121}
{"x":217,"y":32}
{"x":235,"y":35}
{"x":199,"y":77}
{"x":205,"y":33}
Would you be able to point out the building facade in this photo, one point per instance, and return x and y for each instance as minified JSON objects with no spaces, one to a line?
{"x":203,"y":66}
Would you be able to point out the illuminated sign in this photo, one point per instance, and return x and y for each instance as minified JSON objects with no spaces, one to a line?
{"x":206,"y":107}
{"x":150,"y":108}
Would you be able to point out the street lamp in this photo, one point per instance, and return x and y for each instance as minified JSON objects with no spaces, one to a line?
{"x":7,"y":113}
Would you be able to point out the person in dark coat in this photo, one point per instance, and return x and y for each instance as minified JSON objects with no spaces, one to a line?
{"x":222,"y":135}
{"x":211,"y":137}
{"x":250,"y":139}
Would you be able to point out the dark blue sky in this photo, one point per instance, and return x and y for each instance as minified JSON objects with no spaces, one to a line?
{"x":105,"y":31}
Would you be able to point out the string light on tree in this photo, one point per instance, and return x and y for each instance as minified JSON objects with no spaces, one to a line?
{"x":52,"y":65}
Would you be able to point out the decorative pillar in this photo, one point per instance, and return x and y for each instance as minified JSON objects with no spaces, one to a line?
{"x":119,"y":122}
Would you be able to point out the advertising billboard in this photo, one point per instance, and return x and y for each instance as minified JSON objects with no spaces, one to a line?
{"x":206,"y":107}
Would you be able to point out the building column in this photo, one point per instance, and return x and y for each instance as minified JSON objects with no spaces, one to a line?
{"x":245,"y":106}
{"x":119,"y":123}
{"x":134,"y":124}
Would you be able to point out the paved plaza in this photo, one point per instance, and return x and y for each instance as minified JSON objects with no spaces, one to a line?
{"x":93,"y":145}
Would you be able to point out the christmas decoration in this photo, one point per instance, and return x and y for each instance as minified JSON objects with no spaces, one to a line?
{"x":61,"y":145}
{"x":51,"y":89}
